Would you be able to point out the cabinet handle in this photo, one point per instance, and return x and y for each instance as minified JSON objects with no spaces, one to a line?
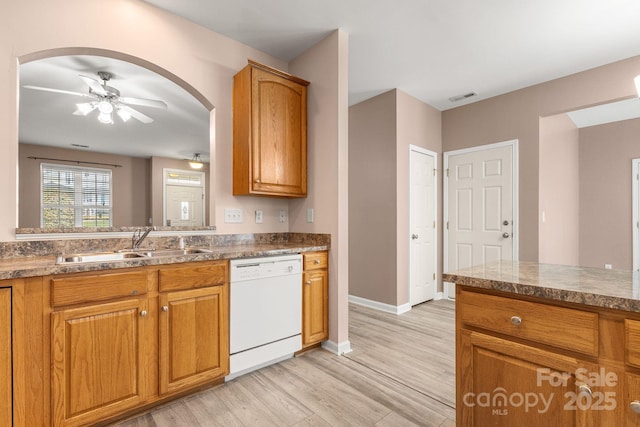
{"x":316,"y":261}
{"x":584,"y":389}
{"x":635,"y":406}
{"x":257,"y":181}
{"x":516,"y":320}
{"x":165,"y":308}
{"x":143,"y":313}
{"x":308,"y":282}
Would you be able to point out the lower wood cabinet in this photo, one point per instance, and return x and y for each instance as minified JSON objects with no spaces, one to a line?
{"x":6,"y":394}
{"x":100,"y":356}
{"x":125,"y":339}
{"x":315,"y":298}
{"x":194,"y":346}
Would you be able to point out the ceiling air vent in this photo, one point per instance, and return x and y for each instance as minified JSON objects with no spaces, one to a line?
{"x":461,"y":97}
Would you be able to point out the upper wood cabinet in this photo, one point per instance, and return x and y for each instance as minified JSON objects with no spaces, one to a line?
{"x":269,"y":133}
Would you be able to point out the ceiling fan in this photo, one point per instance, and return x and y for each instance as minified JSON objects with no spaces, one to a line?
{"x":107,"y":100}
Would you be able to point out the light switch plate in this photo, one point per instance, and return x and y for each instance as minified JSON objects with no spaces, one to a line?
{"x":233,"y":215}
{"x":310,"y":215}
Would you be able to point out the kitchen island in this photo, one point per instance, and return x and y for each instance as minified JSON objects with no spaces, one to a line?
{"x":540,"y":344}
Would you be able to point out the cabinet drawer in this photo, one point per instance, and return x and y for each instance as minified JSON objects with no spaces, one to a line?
{"x":315,"y":260}
{"x":561,"y":327}
{"x":632,"y":342}
{"x":195,"y":275}
{"x":98,"y":287}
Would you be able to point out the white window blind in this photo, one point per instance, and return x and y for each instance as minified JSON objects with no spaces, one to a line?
{"x":75,"y":196}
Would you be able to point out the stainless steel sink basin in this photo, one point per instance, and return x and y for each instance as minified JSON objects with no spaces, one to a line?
{"x":98,"y":257}
{"x":175,"y":252}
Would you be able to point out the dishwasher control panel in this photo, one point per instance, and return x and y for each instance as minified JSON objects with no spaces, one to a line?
{"x":257,"y":268}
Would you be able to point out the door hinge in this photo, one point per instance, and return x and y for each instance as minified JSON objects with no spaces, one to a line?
{"x":434,"y":276}
{"x":447,"y":170}
{"x":435,"y":172}
{"x":434,"y":224}
{"x":447,"y":225}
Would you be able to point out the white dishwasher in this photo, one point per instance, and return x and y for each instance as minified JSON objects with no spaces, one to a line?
{"x":265,"y":314}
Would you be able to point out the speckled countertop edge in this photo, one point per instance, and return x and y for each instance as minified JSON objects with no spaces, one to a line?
{"x":22,"y":267}
{"x":612,"y":289}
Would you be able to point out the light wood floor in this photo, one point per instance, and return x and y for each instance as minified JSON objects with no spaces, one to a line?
{"x":400,"y":373}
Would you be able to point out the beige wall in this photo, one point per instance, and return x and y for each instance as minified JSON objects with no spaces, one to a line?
{"x":325,"y":65}
{"x":515,"y":115}
{"x":559,"y":189}
{"x":372,"y":199}
{"x":381,"y":131}
{"x":130,"y":183}
{"x":606,"y":152}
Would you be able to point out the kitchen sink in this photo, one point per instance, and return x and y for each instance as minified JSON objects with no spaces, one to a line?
{"x":98,"y":257}
{"x":124,"y":255}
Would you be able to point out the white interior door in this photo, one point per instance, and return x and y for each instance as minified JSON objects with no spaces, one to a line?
{"x":422,"y":220}
{"x":480,"y":205}
{"x":184,"y":205}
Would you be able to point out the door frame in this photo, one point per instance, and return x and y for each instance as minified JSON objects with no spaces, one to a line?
{"x":165,"y":179}
{"x":635,"y":212}
{"x":515,"y":200}
{"x":435,"y":216}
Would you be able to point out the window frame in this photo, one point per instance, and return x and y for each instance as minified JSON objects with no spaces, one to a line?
{"x":79,"y":194}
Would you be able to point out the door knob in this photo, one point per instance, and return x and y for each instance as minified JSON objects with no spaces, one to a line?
{"x":414,"y":236}
{"x":505,"y":235}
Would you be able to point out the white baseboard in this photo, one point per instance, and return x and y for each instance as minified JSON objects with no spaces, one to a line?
{"x":376,"y":305}
{"x":339,"y":349}
{"x":439,"y":295}
{"x":449,"y":290}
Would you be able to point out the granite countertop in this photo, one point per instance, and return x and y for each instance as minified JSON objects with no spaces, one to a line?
{"x":45,"y":265}
{"x":615,"y":289}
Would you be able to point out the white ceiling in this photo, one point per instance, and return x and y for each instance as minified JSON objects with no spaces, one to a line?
{"x":46,"y":118}
{"x":435,"y":49}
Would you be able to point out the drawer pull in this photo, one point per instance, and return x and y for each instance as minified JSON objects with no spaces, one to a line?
{"x":635,"y":406}
{"x":317,"y":261}
{"x":584,"y":390}
{"x":165,"y":308}
{"x":143,"y":313}
{"x":516,"y":320}
{"x":308,"y":282}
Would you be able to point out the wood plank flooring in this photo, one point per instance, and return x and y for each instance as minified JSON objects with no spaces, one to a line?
{"x":400,"y":373}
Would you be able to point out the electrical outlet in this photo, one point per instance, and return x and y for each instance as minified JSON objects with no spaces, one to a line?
{"x":259,"y":216}
{"x":310,"y":215}
{"x":233,"y":216}
{"x":608,"y":266}
{"x":283,"y":215}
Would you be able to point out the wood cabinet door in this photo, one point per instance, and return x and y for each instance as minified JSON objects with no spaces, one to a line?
{"x":503,"y":383}
{"x":100,"y":360}
{"x":315,"y":307}
{"x":194,"y":337}
{"x":6,"y":395}
{"x":279,"y":141}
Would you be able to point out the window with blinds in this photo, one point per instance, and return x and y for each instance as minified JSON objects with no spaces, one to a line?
{"x":75,"y":196}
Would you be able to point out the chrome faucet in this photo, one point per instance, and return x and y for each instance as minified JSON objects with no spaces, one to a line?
{"x":139,"y":236}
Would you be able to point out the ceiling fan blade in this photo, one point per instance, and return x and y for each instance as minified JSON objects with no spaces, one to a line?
{"x":48,"y":89}
{"x":95,"y":85}
{"x":143,"y":102}
{"x":136,"y":114}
